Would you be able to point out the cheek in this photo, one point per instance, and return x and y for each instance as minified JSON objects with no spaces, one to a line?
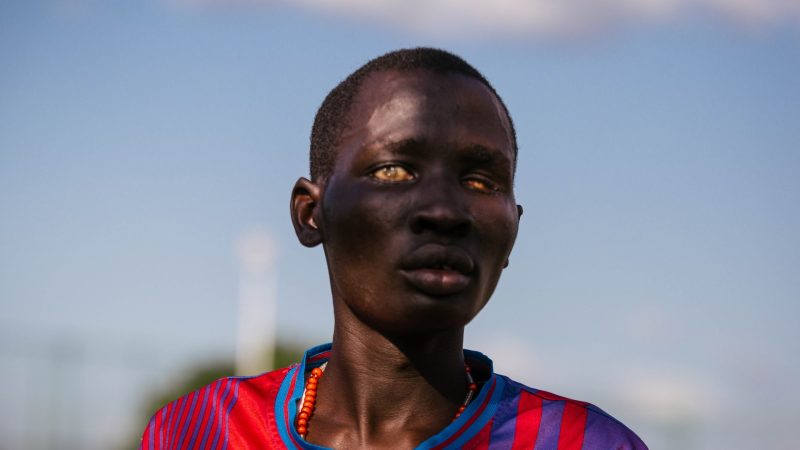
{"x":498,"y":225}
{"x":359,"y":224}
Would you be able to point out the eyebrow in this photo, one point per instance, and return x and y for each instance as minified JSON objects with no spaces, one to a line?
{"x":475,"y":153}
{"x":401,"y":147}
{"x":481,"y":154}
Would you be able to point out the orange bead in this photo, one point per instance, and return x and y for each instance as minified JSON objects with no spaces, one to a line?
{"x":461,"y":409}
{"x":316,"y":371}
{"x":306,"y":410}
{"x":473,"y":387}
{"x":302,"y":430}
{"x":303,"y":415}
{"x":302,"y":422}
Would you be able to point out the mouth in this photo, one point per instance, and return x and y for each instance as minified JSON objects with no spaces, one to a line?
{"x":438,"y":270}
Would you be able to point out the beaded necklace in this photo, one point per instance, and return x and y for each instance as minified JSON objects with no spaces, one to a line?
{"x":309,"y":399}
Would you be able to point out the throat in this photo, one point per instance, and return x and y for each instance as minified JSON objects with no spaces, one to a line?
{"x":349,"y":405}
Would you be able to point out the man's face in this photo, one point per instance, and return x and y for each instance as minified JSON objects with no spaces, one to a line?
{"x":418,"y":215}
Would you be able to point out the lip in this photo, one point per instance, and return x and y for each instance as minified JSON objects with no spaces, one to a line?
{"x":438,"y":270}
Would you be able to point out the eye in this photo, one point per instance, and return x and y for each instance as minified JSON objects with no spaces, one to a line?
{"x":392,"y":173}
{"x":481,"y":185}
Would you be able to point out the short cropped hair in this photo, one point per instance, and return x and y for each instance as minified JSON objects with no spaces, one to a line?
{"x":334,"y":112}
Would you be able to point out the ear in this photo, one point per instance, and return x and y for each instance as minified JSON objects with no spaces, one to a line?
{"x":519,"y":216}
{"x":306,"y":212}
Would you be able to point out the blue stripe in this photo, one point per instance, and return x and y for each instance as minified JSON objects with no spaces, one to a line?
{"x":174,"y":425}
{"x":485,"y":416}
{"x":597,"y":433}
{"x":210,"y":422}
{"x":219,"y":413}
{"x":166,"y":423}
{"x":202,"y":413}
{"x":294,"y":392}
{"x":228,"y":412}
{"x":550,"y":427}
{"x":505,"y":421}
{"x":283,"y":392}
{"x":161,"y":428}
{"x":188,"y":419}
{"x":152,"y":427}
{"x":480,"y":421}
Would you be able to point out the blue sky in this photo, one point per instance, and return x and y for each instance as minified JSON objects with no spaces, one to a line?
{"x":656,"y":268}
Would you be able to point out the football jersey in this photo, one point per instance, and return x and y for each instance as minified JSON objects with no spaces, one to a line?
{"x":248,"y":413}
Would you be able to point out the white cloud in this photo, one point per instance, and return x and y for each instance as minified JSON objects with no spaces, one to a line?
{"x":529,"y":17}
{"x":669,"y":397}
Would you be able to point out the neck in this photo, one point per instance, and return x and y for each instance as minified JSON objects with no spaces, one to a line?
{"x":377,"y":386}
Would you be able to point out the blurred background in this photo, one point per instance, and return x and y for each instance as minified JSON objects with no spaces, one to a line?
{"x":148,"y":149}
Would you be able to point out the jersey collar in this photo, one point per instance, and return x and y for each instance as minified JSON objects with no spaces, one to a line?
{"x":454,"y":435}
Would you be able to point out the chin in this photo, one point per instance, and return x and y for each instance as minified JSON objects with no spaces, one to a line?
{"x":436,"y":315}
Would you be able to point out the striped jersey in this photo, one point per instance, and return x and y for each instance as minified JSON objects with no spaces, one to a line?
{"x":244,"y":413}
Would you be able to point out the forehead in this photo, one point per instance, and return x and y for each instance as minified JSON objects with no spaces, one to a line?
{"x":446,"y":109}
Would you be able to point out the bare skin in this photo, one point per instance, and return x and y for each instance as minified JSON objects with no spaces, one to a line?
{"x":417,"y":221}
{"x":376,"y":396}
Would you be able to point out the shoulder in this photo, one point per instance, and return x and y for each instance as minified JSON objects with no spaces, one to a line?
{"x":208,"y":415}
{"x":561,"y":422}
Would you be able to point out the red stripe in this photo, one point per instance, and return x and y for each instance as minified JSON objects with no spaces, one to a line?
{"x":481,"y":440}
{"x":289,"y":424}
{"x":207,"y":415}
{"x":145,"y":444}
{"x":226,"y":407}
{"x":573,"y":423}
{"x":171,"y":407}
{"x":156,"y":431}
{"x":215,"y":403}
{"x":319,"y":356}
{"x":182,"y":417}
{"x":193,"y":418}
{"x":163,"y":439}
{"x":529,"y":417}
{"x":471,"y":420}
{"x":225,"y":392}
{"x":554,"y":397}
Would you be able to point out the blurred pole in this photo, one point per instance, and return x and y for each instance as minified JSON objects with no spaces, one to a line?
{"x":255,"y":334}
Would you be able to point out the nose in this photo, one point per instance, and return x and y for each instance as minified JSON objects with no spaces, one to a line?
{"x":442,"y":209}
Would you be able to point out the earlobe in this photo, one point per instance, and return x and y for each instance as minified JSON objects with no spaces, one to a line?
{"x":304,"y":211}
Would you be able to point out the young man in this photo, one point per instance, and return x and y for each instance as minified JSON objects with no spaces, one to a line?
{"x":412,"y":198}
